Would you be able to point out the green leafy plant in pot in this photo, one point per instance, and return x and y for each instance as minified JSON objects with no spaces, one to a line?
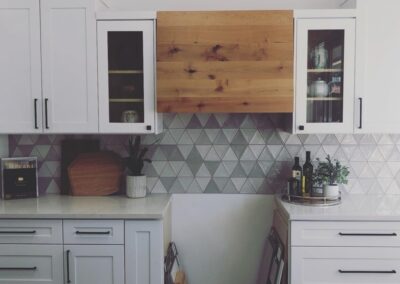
{"x":136,"y":182}
{"x":330,"y":174}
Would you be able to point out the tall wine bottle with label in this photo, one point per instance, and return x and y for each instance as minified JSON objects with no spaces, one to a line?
{"x":307,"y":174}
{"x":296,"y":174}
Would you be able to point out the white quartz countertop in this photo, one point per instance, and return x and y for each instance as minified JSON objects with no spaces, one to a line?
{"x":353,"y":208}
{"x":73,"y":207}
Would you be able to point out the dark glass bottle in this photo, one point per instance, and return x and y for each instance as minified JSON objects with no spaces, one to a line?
{"x":296,"y":174}
{"x":307,"y":174}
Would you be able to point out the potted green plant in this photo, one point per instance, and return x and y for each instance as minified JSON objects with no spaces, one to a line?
{"x":136,"y":182}
{"x":330,"y":174}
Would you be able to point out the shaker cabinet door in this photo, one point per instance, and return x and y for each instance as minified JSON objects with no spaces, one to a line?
{"x":20,"y":67}
{"x":69,"y":66}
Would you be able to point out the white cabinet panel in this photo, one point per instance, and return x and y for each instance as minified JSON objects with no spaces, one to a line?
{"x":20,"y":67}
{"x":97,"y":264}
{"x":144,"y":252}
{"x":378,"y":66}
{"x":345,"y":265}
{"x":23,"y":264}
{"x":69,"y":64}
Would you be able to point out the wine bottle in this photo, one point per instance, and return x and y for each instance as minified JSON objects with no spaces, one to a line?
{"x":307,"y":173}
{"x":296,"y":174}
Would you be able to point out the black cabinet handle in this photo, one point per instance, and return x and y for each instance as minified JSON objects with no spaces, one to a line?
{"x":369,"y":234}
{"x":361,"y":108}
{"x":92,"y":233}
{"x":35,"y":110}
{"x":369,"y":271}
{"x":46,"y":116}
{"x":18,"y":268}
{"x":19,"y":232}
{"x":301,"y":127}
{"x":68,"y":279}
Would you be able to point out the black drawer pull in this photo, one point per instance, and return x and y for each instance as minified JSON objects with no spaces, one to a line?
{"x":68,"y":277}
{"x":369,"y":234}
{"x":18,"y":268}
{"x":369,"y":271}
{"x":19,"y":232}
{"x":92,"y":233}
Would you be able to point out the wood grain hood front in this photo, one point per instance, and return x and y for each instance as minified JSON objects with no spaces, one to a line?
{"x":236,"y":61}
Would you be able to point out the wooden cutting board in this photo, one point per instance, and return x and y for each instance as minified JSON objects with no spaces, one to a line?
{"x":95,"y":174}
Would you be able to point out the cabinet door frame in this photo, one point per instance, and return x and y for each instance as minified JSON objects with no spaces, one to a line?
{"x":147,"y":27}
{"x":75,"y":251}
{"x":12,"y":125}
{"x":303,"y":25}
{"x":51,"y":99}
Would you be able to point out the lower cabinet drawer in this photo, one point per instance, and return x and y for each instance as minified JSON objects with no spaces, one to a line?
{"x":22,"y":264}
{"x":337,"y":265}
{"x":105,"y":232}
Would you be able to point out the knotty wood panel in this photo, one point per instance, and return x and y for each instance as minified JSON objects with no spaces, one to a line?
{"x":237,"y":61}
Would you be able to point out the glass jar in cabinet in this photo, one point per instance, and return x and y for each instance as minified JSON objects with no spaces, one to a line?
{"x":126,"y":55}
{"x":325,"y":65}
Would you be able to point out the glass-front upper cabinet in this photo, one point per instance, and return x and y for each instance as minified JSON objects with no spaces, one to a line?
{"x":126,"y":76}
{"x":325,"y":65}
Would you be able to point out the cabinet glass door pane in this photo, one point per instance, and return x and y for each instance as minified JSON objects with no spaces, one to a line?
{"x":325,"y":75}
{"x":125,"y":75}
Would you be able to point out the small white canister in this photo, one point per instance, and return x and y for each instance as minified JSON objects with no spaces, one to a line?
{"x":136,"y":186}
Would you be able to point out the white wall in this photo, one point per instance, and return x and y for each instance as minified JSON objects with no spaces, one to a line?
{"x":220,"y":238}
{"x":3,"y":146}
{"x":161,"y":5}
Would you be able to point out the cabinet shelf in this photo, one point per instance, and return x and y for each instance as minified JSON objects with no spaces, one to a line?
{"x":324,"y":70}
{"x":324,"y":99}
{"x":126,"y":100}
{"x":125,"y":72}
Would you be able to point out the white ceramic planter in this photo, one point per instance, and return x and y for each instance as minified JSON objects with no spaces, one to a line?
{"x":136,"y":186}
{"x":331,"y":190}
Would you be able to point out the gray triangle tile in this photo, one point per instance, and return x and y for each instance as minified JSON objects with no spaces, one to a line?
{"x":293,"y":150}
{"x":176,"y":187}
{"x":44,"y":171}
{"x":247,"y":166}
{"x":266,"y":134}
{"x":194,"y":188}
{"x":167,"y":171}
{"x":149,"y":171}
{"x":221,"y":139}
{"x":340,"y":137}
{"x":230,"y":188}
{"x":239,"y":139}
{"x":293,"y":140}
{"x":312,"y":140}
{"x":185,"y":171}
{"x":248,"y":122}
{"x":238,"y":150}
{"x":212,"y":187}
{"x":203,"y":139}
{"x":42,"y":149}
{"x":194,"y":134}
{"x":54,"y":168}
{"x":395,"y":138}
{"x":284,"y":155}
{"x":167,"y":182}
{"x":221,"y":118}
{"x":212,"y":167}
{"x":151,"y":182}
{"x":275,"y":139}
{"x":257,"y":139}
{"x":238,"y":183}
{"x":238,"y":172}
{"x":194,"y":156}
{"x":203,"y":118}
{"x":176,"y":134}
{"x":229,"y":134}
{"x":212,"y":133}
{"x":257,"y":172}
{"x":176,"y":123}
{"x":247,"y":188}
{"x":203,"y":150}
{"x":248,"y":155}
{"x":257,"y":183}
{"x":257,"y":150}
{"x":221,"y":183}
{"x":221,"y":171}
{"x":266,"y":155}
{"x":384,"y":183}
{"x":330,"y":140}
{"x":230,"y":155}
{"x":284,"y":136}
{"x":159,"y":188}
{"x":321,"y":154}
{"x":168,"y":118}
{"x":349,"y":140}
{"x":303,"y":137}
{"x":27,"y":140}
{"x":203,"y":182}
{"x":194,"y":123}
{"x":265,"y":166}
{"x":159,"y":166}
{"x":175,"y":155}
{"x":185,"y":182}
{"x":330,"y":149}
{"x":275,"y":150}
{"x":176,"y":166}
{"x":230,"y":166}
{"x":248,"y":134}
{"x":221,"y":150}
{"x":212,"y":155}
{"x":194,"y":167}
{"x":203,"y":172}
{"x":262,"y":121}
{"x":212,"y":123}
{"x":167,"y":139}
{"x":185,"y":150}
{"x":53,"y":188}
{"x":321,"y":137}
{"x":185,"y":118}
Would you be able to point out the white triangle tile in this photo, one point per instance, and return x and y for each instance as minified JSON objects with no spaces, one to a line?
{"x":284,"y":156}
{"x":230,"y":134}
{"x":167,"y":171}
{"x":367,"y":172}
{"x":358,"y":167}
{"x":367,"y":139}
{"x":176,"y":123}
{"x":257,"y":139}
{"x":203,"y":172}
{"x":230,"y":155}
{"x":394,"y":167}
{"x":376,"y":137}
{"x":221,"y":150}
{"x":194,"y":134}
{"x":203,"y":150}
{"x":275,"y":150}
{"x":176,"y":134}
{"x":367,"y":150}
{"x":321,"y":154}
{"x":247,"y":188}
{"x":238,"y":183}
{"x":376,"y":156}
{"x":376,"y":167}
{"x":194,"y":188}
{"x":357,"y":188}
{"x":395,"y":138}
{"x":203,"y":118}
{"x":212,"y":133}
{"x":340,"y":137}
{"x":395,"y":156}
{"x":340,"y":155}
{"x":393,"y":189}
{"x":293,"y":150}
{"x":330,"y":149}
{"x":366,"y":184}
{"x":348,"y":150}
{"x":212,"y":155}
{"x":185,"y":171}
{"x":185,"y":118}
{"x":257,"y":150}
{"x":321,"y":137}
{"x":159,"y":188}
{"x":248,"y":155}
{"x":386,"y":150}
{"x":385,"y":140}
{"x":358,"y":156}
{"x":330,"y":140}
{"x":376,"y":188}
{"x":312,"y":140}
{"x":221,"y":171}
{"x":293,"y":140}
{"x":203,"y":182}
{"x":385,"y":172}
{"x":221,"y":118}
{"x":348,"y":139}
{"x":314,"y":149}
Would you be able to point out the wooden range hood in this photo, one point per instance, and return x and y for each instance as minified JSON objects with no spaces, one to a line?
{"x":235,"y":62}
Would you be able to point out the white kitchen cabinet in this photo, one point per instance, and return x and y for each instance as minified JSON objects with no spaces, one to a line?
{"x":69,"y":66}
{"x":23,"y":264}
{"x":100,"y":264}
{"x":126,"y":53}
{"x":144,"y":252}
{"x":20,"y":67}
{"x":48,"y":67}
{"x":325,"y":66}
{"x":378,"y":67}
